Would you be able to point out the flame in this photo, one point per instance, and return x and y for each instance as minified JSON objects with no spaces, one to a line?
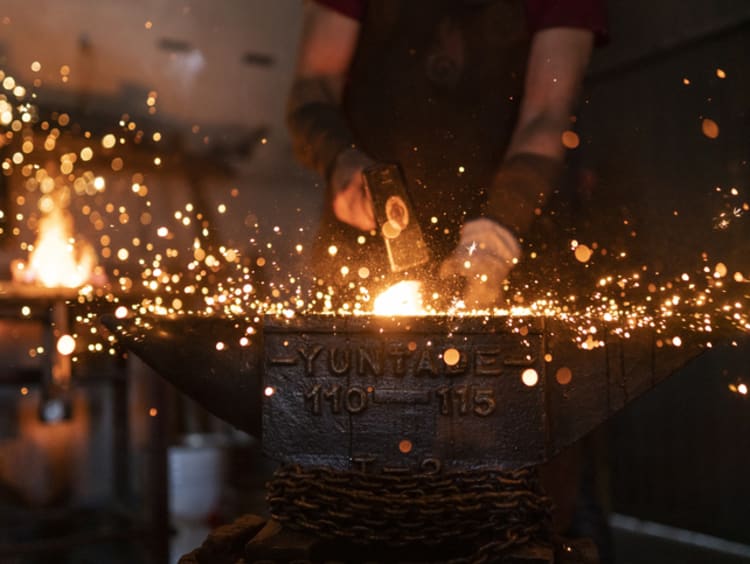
{"x":403,"y":298}
{"x":57,"y":259}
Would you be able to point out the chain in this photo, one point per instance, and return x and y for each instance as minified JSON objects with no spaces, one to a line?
{"x":495,"y":509}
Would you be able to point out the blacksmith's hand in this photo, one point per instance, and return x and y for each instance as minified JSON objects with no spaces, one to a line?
{"x":485,"y":254}
{"x":351,"y":200}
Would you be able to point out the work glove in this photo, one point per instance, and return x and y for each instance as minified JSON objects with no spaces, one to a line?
{"x":350,"y":198}
{"x":485,"y":254}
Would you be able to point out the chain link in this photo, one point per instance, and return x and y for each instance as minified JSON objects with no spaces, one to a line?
{"x":495,"y":509}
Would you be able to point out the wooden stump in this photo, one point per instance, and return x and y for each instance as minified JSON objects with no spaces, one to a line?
{"x":253,"y":540}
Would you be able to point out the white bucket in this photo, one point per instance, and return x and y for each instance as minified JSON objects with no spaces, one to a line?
{"x":196,"y":474}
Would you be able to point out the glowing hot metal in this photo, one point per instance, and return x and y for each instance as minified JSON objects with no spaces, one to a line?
{"x":403,"y":298}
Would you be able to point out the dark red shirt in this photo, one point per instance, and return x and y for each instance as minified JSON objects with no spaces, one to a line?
{"x":540,"y":14}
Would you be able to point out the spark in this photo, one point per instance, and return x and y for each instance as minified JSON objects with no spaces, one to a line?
{"x":153,"y":274}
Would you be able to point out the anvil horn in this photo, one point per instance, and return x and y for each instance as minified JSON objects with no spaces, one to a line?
{"x":224,"y":379}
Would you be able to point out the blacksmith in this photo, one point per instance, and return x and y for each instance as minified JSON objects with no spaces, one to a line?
{"x":469,"y":97}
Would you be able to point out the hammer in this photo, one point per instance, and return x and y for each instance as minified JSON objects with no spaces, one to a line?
{"x":395,"y":217}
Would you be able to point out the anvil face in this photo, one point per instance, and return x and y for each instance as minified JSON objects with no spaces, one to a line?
{"x":424,"y":394}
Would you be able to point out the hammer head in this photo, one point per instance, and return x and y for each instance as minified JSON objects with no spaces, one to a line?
{"x":395,"y":217}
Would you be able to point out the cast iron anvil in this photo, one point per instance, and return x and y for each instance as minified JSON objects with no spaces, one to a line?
{"x":404,"y":394}
{"x":398,"y":396}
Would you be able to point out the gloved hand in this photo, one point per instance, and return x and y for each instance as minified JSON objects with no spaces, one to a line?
{"x":485,"y":254}
{"x":351,"y":200}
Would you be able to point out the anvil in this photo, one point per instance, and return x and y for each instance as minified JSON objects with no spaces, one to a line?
{"x":402,"y":394}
